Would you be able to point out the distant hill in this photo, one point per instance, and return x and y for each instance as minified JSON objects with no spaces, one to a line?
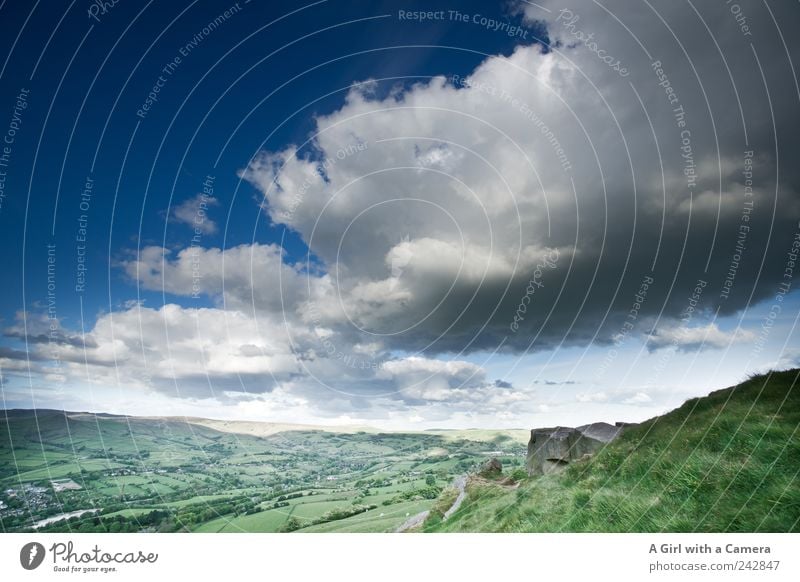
{"x":261,"y":429}
{"x":496,"y":436}
{"x":253,"y":428}
{"x":265,"y":429}
{"x":727,"y":462}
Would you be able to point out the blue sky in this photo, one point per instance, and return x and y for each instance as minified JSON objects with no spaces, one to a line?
{"x":332,"y":212}
{"x":85,"y":93}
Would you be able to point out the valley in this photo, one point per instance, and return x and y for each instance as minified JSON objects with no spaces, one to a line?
{"x":64,"y":471}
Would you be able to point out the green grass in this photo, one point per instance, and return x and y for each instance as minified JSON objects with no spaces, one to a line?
{"x":728,"y":462}
{"x":308,"y":510}
{"x":380,"y":519}
{"x":264,"y":521}
{"x":201,"y":499}
{"x":133,"y":512}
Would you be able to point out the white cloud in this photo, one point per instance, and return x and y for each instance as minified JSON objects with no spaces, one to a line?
{"x":193,"y":212}
{"x":437,"y":380}
{"x":245,"y":277}
{"x":250,"y":363}
{"x":696,"y":337}
{"x":592,"y":397}
{"x":638,"y":398}
{"x":155,"y":347}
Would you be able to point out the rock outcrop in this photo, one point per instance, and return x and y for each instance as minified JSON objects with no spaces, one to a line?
{"x":552,"y":449}
{"x":491,"y":468}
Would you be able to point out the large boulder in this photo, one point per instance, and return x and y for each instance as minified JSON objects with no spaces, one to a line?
{"x":551,"y":449}
{"x":491,"y":468}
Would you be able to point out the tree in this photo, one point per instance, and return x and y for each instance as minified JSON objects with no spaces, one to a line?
{"x":291,"y":525}
{"x":430,"y":480}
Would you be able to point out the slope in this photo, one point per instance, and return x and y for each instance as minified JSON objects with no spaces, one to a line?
{"x":727,"y":462}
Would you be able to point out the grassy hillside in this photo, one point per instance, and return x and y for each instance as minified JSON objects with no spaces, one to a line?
{"x":728,"y":462}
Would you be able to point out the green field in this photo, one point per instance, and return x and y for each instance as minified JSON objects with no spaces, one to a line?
{"x":265,"y":521}
{"x":171,"y":475}
{"x":381,"y":519}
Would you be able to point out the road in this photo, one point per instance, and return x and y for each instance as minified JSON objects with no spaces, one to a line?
{"x":460,"y":485}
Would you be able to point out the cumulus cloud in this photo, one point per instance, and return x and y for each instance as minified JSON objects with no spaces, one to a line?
{"x":438,"y":380}
{"x":790,"y":358}
{"x":468,"y":182}
{"x":249,"y":362}
{"x":159,"y":348}
{"x":245,"y":277}
{"x":639,"y":398}
{"x":591,"y":397}
{"x":554,"y":382}
{"x":40,"y":328}
{"x":193,"y":212}
{"x":696,"y":337}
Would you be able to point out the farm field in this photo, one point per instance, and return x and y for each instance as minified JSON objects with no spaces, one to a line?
{"x":170,"y":474}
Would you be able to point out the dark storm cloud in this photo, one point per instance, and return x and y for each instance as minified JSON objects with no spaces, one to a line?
{"x":440,"y":203}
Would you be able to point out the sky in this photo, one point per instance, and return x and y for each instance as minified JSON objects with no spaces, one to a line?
{"x":478,"y":214}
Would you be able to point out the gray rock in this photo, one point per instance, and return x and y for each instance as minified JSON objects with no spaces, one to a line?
{"x":491,"y":467}
{"x":550,"y":450}
{"x":601,"y":431}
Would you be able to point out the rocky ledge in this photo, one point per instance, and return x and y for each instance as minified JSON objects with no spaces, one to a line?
{"x":552,"y":449}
